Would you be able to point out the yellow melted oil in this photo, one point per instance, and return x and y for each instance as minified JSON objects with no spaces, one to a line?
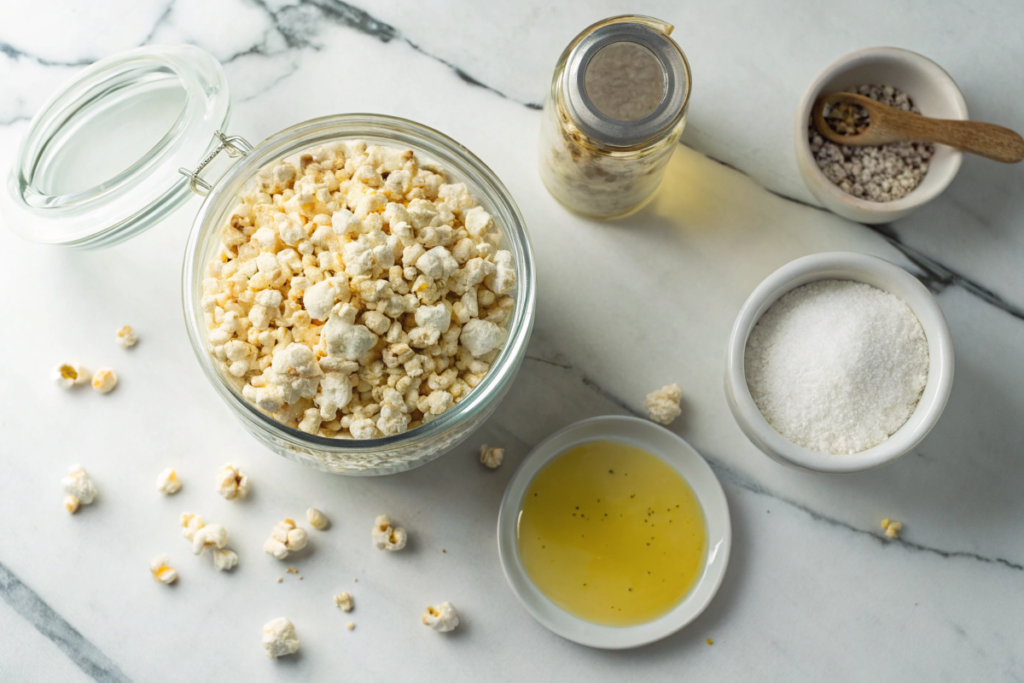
{"x":612,"y":534}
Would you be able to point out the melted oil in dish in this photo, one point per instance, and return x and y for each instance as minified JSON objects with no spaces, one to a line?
{"x":612,"y":534}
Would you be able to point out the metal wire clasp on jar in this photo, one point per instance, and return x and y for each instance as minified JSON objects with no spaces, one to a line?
{"x":615,"y":111}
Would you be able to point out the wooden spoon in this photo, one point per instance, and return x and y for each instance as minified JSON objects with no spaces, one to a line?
{"x":888,"y":124}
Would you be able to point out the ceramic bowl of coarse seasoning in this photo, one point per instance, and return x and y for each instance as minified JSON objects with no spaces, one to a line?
{"x":871,"y":270}
{"x":930,"y":89}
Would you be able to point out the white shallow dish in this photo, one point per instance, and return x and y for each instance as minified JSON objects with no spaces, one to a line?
{"x":841,"y":265}
{"x":685,"y":460}
{"x":930,"y":88}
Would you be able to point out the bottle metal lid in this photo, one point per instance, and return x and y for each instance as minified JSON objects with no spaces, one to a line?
{"x":626,"y":83}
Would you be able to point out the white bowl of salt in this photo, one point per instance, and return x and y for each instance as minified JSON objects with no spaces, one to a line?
{"x":839,"y":362}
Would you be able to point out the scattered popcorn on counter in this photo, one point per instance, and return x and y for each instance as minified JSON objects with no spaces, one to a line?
{"x":80,"y":488}
{"x":190,"y":524}
{"x":168,"y":482}
{"x":285,"y":538}
{"x":350,"y":626}
{"x":68,"y":375}
{"x":209,"y":536}
{"x":316,"y":519}
{"x":663,"y":404}
{"x":442,"y":618}
{"x":104,"y":380}
{"x":232,"y":482}
{"x":224,"y":559}
{"x":491,"y":456}
{"x":344,"y":601}
{"x":357,"y":294}
{"x":892,"y":528}
{"x":387,"y":537}
{"x":162,"y":571}
{"x":279,"y":638}
{"x":126,"y":337}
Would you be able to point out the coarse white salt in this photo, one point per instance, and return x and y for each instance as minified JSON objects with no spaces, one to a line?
{"x":837,"y":366}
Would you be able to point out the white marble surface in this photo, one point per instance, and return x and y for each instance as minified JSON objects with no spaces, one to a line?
{"x":813,"y":591}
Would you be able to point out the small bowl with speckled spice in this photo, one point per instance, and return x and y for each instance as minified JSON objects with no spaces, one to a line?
{"x":931,"y":91}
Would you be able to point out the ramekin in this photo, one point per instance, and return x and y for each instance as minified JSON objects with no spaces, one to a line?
{"x":930,"y":88}
{"x":841,"y":265}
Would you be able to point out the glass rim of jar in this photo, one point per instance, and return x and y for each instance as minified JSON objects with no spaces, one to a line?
{"x":602,"y":128}
{"x":438,"y":147}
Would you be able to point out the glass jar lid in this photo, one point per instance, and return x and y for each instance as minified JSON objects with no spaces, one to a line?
{"x":99,"y":163}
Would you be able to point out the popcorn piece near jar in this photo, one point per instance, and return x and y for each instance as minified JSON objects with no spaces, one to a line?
{"x":224,"y":559}
{"x":344,"y":602}
{"x":104,"y":380}
{"x":168,"y":482}
{"x":317,"y":519}
{"x":490,"y":456}
{"x":79,"y":488}
{"x":285,"y":538}
{"x":442,"y":618}
{"x":190,"y":524}
{"x":386,"y":536}
{"x":209,"y":536}
{"x":663,"y":404}
{"x":126,"y":337}
{"x":68,"y":375}
{"x":354,"y":273}
{"x":279,"y":638}
{"x":892,"y":528}
{"x":162,"y":570}
{"x":232,"y":482}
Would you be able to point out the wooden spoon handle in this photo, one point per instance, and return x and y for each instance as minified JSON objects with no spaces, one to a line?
{"x":984,"y":139}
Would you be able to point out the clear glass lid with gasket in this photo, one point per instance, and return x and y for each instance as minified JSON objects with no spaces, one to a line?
{"x":100,"y":161}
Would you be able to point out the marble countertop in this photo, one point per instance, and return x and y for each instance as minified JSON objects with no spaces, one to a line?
{"x":813,"y":590}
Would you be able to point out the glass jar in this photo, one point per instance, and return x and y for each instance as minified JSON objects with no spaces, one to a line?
{"x":184,"y":88}
{"x":613,"y":115}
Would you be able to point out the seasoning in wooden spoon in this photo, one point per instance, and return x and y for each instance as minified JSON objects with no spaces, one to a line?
{"x":879,"y":173}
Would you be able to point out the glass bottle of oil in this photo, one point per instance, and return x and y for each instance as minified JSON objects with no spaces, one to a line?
{"x":616,"y":108}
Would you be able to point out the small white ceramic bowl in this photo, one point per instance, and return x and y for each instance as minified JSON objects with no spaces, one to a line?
{"x":841,"y":265}
{"x":930,"y":88}
{"x":674,"y":451}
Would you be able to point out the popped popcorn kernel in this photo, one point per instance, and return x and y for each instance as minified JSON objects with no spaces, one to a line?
{"x":67,"y":375}
{"x":162,"y":571}
{"x":490,"y":456}
{"x":210,"y":536}
{"x":386,"y":536}
{"x":892,"y":528}
{"x":442,"y":618}
{"x":126,"y":337}
{"x":80,"y":488}
{"x":104,"y":380}
{"x":190,"y":524}
{"x":317,"y":519}
{"x":285,"y":538}
{"x":232,"y":482}
{"x":168,"y":482}
{"x":279,"y":638}
{"x":344,"y":601}
{"x":663,"y":404}
{"x":224,"y":559}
